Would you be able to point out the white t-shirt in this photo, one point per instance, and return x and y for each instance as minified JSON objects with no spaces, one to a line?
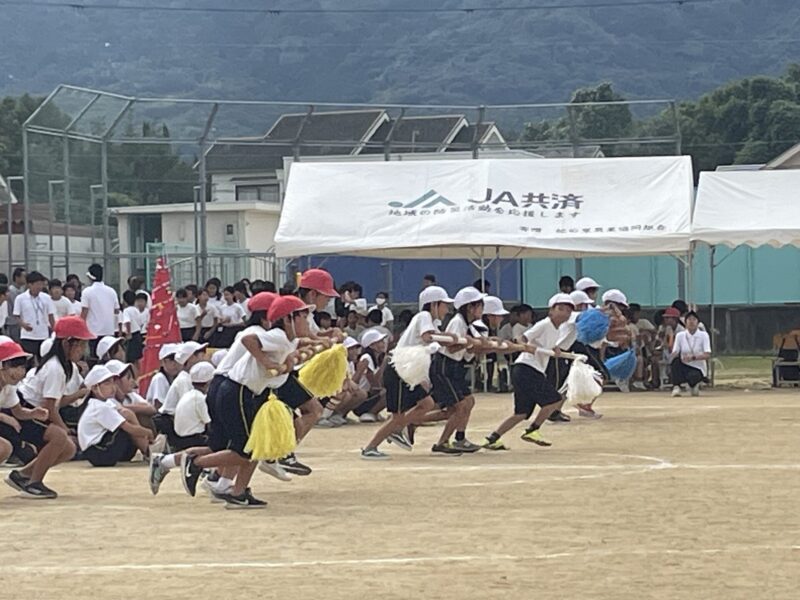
{"x":313,"y":328}
{"x":3,"y":314}
{"x":233,"y":312}
{"x":35,"y":311}
{"x":364,"y":384}
{"x":518,"y":330}
{"x":457,"y":326}
{"x":505,"y":332}
{"x":237,"y":350}
{"x":133,"y":398}
{"x":180,"y":385}
{"x":697,"y":343}
{"x":158,"y":388}
{"x":386,"y":313}
{"x":63,"y":307}
{"x":249,"y":372}
{"x":103,"y":306}
{"x":99,"y":417}
{"x":8,"y":396}
{"x":191,"y":414}
{"x":137,"y":319}
{"x":420,"y":324}
{"x":209,"y":313}
{"x":49,"y":382}
{"x":544,"y":335}
{"x":187,"y":315}
{"x":75,"y":308}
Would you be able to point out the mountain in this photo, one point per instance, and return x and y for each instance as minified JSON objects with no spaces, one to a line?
{"x":647,"y":51}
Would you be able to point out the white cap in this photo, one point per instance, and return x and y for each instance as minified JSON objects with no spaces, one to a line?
{"x":105,"y":344}
{"x":218,"y":357}
{"x":5,"y":338}
{"x":361,"y":307}
{"x":580,"y":297}
{"x":467,"y":295}
{"x":615,"y":296}
{"x":492,"y":305}
{"x":350,"y":342}
{"x":187,"y":349}
{"x":433,"y":293}
{"x":560,"y":299}
{"x":117,"y":367}
{"x":202,"y":372}
{"x":586,"y":283}
{"x":370,"y":336}
{"x":97,"y":375}
{"x":168,"y":350}
{"x":45,"y":348}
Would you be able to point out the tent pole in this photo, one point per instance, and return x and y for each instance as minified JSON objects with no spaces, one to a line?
{"x":713,"y":311}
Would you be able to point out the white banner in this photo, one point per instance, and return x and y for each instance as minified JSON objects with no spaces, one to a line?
{"x":748,"y":207}
{"x":517,"y":207}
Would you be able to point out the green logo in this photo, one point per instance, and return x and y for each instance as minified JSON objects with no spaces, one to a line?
{"x":429,"y":199}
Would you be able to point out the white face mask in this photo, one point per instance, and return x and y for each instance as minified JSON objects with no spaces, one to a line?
{"x":380,"y":301}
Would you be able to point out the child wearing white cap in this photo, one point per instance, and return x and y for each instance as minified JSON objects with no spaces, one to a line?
{"x":334,"y":413}
{"x":191,"y":413}
{"x":531,"y":386}
{"x":110,"y":348}
{"x":589,"y":286}
{"x":409,"y":406}
{"x":493,"y":314}
{"x":369,"y":375}
{"x":107,"y":432}
{"x":159,"y":384}
{"x":127,"y":395}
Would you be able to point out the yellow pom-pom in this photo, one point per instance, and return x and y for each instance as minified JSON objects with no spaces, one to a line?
{"x":272,"y":435}
{"x":324,"y":373}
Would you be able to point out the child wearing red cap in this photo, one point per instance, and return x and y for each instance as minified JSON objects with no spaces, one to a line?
{"x":316,"y":289}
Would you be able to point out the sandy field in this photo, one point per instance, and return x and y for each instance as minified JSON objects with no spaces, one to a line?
{"x":668,"y":498}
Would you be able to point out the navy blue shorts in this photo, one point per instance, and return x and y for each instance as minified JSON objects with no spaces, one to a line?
{"x":531,"y":387}
{"x":292,"y":393}
{"x":115,"y":447}
{"x":399,"y":396}
{"x":449,"y":379}
{"x":236,"y":409}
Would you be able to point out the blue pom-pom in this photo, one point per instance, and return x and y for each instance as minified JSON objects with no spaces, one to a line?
{"x":592,"y":326}
{"x":622,"y":366}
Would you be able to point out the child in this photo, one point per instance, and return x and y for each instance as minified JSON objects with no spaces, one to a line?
{"x":188,"y":316}
{"x":323,"y":320}
{"x":191,"y":413}
{"x":71,"y":293}
{"x":334,"y":414}
{"x":493,"y":314}
{"x":107,"y":432}
{"x":209,"y":316}
{"x":589,"y":286}
{"x":62,"y":305}
{"x":109,"y":348}
{"x":691,"y":350}
{"x":231,"y":319}
{"x":46,"y":388}
{"x":369,"y":375}
{"x":13,"y":360}
{"x":409,"y":406}
{"x":316,"y":290}
{"x":382,"y":304}
{"x":159,"y":385}
{"x":127,"y":395}
{"x":530,"y":382}
{"x":135,"y":319}
{"x":187,"y":355}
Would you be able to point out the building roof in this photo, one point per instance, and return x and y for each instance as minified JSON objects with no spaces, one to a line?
{"x":188,"y":207}
{"x":6,"y":193}
{"x":567,"y":151}
{"x":419,"y":134}
{"x":224,"y":157}
{"x":787,"y":160}
{"x":463,"y":139}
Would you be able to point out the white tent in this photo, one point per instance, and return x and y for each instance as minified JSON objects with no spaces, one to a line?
{"x":506,"y":208}
{"x":752,"y":208}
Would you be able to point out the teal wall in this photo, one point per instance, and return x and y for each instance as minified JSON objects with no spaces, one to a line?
{"x":744,"y":276}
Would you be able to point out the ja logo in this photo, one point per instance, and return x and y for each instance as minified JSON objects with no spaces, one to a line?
{"x":429,"y":199}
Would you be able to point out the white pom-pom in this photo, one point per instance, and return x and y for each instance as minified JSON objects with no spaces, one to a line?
{"x":582,"y":384}
{"x":412,"y":364}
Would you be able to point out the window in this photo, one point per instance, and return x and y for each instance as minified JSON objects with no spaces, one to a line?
{"x":262,"y":192}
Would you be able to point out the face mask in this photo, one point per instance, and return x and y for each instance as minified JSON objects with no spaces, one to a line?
{"x":380,"y":301}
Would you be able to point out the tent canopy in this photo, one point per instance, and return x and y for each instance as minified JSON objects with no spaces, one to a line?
{"x":751,"y":208}
{"x":509,"y":208}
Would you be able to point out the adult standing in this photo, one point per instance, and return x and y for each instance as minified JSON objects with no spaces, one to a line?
{"x":18,"y":285}
{"x":100,"y":307}
{"x":35,"y":314}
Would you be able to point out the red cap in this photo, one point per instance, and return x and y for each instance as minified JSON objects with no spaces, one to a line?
{"x":284,"y":306}
{"x":672,"y":312}
{"x":261,"y":301}
{"x":320,"y":281}
{"x":73,"y":327}
{"x":12,"y":350}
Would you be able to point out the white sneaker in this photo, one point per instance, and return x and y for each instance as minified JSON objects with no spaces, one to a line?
{"x":159,"y":445}
{"x":676,"y":391}
{"x":696,"y":390}
{"x":274,"y":469}
{"x":622,"y":385}
{"x":639,"y":386}
{"x":368,"y":418}
{"x":326,"y":423}
{"x":338,"y":420}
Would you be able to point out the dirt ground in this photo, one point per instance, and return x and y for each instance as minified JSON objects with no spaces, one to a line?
{"x":661,"y":498}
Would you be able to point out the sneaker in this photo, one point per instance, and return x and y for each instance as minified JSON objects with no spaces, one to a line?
{"x":535,"y":437}
{"x":676,"y":391}
{"x":17,"y":480}
{"x":274,"y":469}
{"x":558,"y":417}
{"x":191,"y":475}
{"x":368,"y":418}
{"x":217,"y":497}
{"x":159,"y":445}
{"x":696,"y":390}
{"x":373,"y":454}
{"x":466,"y":446}
{"x":586,"y":410}
{"x":446,"y":448}
{"x":157,"y":473}
{"x":623,"y":386}
{"x":294,"y":466}
{"x":639,"y":386}
{"x":496,"y":445}
{"x":401,"y":440}
{"x":243,"y":502}
{"x":339,"y":420}
{"x":38,"y":491}
{"x":326,"y":423}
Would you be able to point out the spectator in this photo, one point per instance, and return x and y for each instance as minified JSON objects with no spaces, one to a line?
{"x":524,"y":322}
{"x":482,"y":285}
{"x":18,"y":285}
{"x":3,"y":305}
{"x":323,"y":320}
{"x":428,"y":280}
{"x":61,"y":304}
{"x":566,"y":284}
{"x":192,"y":291}
{"x":213,"y":286}
{"x":35,"y":313}
{"x":70,"y":293}
{"x":382,"y":303}
{"x":209,"y":316}
{"x":188,"y":316}
{"x":100,"y":306}
{"x":75,"y":281}
{"x":691,"y":350}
